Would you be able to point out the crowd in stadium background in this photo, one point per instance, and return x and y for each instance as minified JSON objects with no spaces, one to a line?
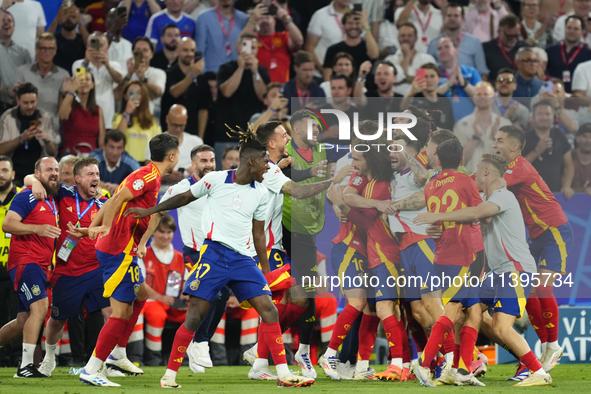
{"x":99,"y":80}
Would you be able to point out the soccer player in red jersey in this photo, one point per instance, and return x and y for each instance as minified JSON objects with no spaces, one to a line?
{"x":371,"y":182}
{"x":451,"y":190}
{"x":34,"y":228}
{"x":117,"y":252}
{"x":550,"y":234}
{"x":77,"y":275}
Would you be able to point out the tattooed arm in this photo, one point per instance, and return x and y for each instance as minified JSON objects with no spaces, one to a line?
{"x":412,"y":203}
{"x":421,"y":174}
{"x":304,"y":191}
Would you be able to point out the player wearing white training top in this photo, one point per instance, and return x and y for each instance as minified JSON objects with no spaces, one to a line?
{"x":189,"y":218}
{"x":273,"y":136}
{"x":233,"y":221}
{"x":507,"y":286}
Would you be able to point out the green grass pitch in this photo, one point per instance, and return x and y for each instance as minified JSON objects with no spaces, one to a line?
{"x":566,"y":378}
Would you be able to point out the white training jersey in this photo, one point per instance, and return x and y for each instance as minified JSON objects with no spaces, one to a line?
{"x":504,"y":237}
{"x":230,"y":209}
{"x":343,"y":162}
{"x":404,"y":186}
{"x":274,"y":179}
{"x":189,"y":215}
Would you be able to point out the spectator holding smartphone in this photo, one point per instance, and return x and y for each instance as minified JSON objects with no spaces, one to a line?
{"x":136,"y":121}
{"x":82,"y":119}
{"x":71,"y":44}
{"x":26,"y":133}
{"x":275,"y":48}
{"x":106,"y":73}
{"x":139,"y":69}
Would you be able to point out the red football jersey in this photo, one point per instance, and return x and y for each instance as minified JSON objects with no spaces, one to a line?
{"x":32,"y":248}
{"x":83,"y":258}
{"x":538,"y":205}
{"x":126,"y":232}
{"x":449,"y":191}
{"x":274,"y":54}
{"x":381,"y":244}
{"x":348,"y":232}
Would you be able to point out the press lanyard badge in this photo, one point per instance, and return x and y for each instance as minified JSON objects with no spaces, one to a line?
{"x":67,"y":248}
{"x":70,"y":243}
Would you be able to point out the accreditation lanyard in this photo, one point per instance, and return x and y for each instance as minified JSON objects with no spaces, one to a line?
{"x":336,"y":17}
{"x":53,"y":208}
{"x":563,"y":53}
{"x":501,"y":107}
{"x":80,"y":216}
{"x":303,"y":103}
{"x":424,"y":26}
{"x":511,"y":62}
{"x":224,"y":32}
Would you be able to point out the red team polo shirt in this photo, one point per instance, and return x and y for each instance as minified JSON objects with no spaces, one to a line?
{"x":275,"y":55}
{"x":32,"y":248}
{"x":126,"y":232}
{"x":449,"y":191}
{"x":538,"y":205}
{"x":83,"y":258}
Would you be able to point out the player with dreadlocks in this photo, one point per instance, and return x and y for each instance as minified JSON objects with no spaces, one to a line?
{"x":234,"y":222}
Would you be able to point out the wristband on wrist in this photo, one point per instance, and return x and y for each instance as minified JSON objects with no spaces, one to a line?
{"x":71,"y":93}
{"x":20,"y":139}
{"x":2,"y":9}
{"x":289,"y":20}
{"x":126,"y":117}
{"x":252,"y":22}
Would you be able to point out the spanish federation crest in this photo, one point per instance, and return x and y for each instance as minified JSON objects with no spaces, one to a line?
{"x":136,"y":289}
{"x":35,"y":290}
{"x":357,"y":181}
{"x":138,"y":184}
{"x":194,"y":285}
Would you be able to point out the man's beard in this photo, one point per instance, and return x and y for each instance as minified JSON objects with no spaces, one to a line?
{"x":170,"y":47}
{"x":68,"y":25}
{"x":202,"y":173}
{"x":5,"y":186}
{"x":51,"y":190}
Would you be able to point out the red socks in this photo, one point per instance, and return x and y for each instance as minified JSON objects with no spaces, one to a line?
{"x":394,"y":336}
{"x":441,"y":329}
{"x":468,"y":337}
{"x":456,"y":361}
{"x":342,"y":326}
{"x":109,"y":336}
{"x":530,"y":361}
{"x":406,"y":356}
{"x":549,"y":308}
{"x":262,"y":348}
{"x":449,"y":343}
{"x":272,"y":335}
{"x":182,"y":340}
{"x":534,"y":310}
{"x":290,"y":315}
{"x":137,"y":309}
{"x":367,"y":335}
